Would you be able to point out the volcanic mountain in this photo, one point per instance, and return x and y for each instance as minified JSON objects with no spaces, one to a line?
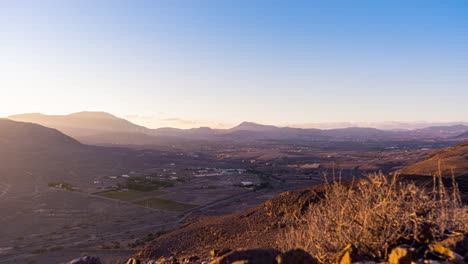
{"x":83,"y":124}
{"x":34,"y":152}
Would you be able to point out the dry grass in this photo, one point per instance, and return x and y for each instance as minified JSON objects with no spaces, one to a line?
{"x":374,"y":216}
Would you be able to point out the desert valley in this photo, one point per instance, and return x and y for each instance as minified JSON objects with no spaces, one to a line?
{"x":233,"y":132}
{"x":97,"y":184}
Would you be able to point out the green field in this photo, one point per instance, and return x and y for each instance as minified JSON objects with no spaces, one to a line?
{"x":133,"y":195}
{"x":166,"y":205}
{"x":149,"y":199}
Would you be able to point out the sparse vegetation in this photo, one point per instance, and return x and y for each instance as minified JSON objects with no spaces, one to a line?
{"x":55,"y":248}
{"x":144,"y":184}
{"x":375,"y":215}
{"x":132,"y":195}
{"x":167,"y":205}
{"x":147,"y":238}
{"x":62,"y":185}
{"x":39,"y":251}
{"x":112,"y":245}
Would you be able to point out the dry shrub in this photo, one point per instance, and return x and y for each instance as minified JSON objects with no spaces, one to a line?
{"x":374,"y":215}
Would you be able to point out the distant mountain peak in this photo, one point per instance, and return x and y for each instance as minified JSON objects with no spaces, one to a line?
{"x":97,"y":115}
{"x":83,"y":123}
{"x":251,"y":126}
{"x":25,"y":115}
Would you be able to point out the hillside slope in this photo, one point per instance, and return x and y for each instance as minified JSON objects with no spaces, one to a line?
{"x":31,"y":152}
{"x":462,"y":136}
{"x":260,"y":226}
{"x":83,"y":123}
{"x":256,"y":227}
{"x":452,"y":160}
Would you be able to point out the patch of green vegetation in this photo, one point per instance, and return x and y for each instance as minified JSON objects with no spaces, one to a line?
{"x":143,"y":184}
{"x":166,"y":205}
{"x":132,"y":195}
{"x":113,"y":245}
{"x":148,"y":237}
{"x":121,"y":195}
{"x":39,"y":251}
{"x":62,"y":185}
{"x":55,"y":248}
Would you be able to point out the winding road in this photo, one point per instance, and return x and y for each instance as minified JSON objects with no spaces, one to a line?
{"x":4,"y":189}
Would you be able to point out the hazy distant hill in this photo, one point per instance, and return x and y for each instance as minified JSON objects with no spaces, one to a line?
{"x":443,"y":131}
{"x":463,"y":135}
{"x":454,"y":159}
{"x":104,"y":128}
{"x":358,"y":132}
{"x":253,"y":130}
{"x":31,"y":152}
{"x":250,"y":126}
{"x":31,"y":137}
{"x":83,"y":123}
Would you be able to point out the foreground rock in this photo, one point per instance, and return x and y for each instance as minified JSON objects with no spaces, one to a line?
{"x":266,"y":256}
{"x":86,"y":260}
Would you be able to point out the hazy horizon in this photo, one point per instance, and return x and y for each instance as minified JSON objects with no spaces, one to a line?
{"x":161,"y":120}
{"x":214,"y":63}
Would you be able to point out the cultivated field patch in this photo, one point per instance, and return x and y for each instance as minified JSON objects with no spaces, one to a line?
{"x":133,"y":195}
{"x":165,"y":205}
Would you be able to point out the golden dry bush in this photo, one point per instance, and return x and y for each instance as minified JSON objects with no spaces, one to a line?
{"x":374,"y":215}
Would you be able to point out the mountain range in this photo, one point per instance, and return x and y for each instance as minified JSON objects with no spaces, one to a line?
{"x":104,"y":128}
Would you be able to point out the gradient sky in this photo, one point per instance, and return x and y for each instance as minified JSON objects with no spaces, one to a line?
{"x":192,"y":63}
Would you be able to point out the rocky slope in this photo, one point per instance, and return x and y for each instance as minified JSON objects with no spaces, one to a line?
{"x":253,"y":228}
{"x":453,"y":160}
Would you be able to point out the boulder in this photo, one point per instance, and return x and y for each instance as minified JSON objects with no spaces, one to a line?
{"x":400,"y":255}
{"x":133,"y":261}
{"x":86,"y":260}
{"x":250,"y":256}
{"x":296,"y":256}
{"x":266,"y":256}
{"x":219,"y":252}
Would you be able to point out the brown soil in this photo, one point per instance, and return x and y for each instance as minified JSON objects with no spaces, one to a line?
{"x":256,"y":227}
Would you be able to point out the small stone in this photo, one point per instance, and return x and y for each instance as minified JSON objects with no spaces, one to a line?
{"x":249,"y":256}
{"x":344,"y":257}
{"x":444,"y":253}
{"x":86,"y":260}
{"x":400,"y":255}
{"x":219,"y":252}
{"x":296,"y":256}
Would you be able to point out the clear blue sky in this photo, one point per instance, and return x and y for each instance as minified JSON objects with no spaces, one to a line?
{"x":210,"y":62}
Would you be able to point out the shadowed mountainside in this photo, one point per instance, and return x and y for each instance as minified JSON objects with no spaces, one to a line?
{"x":33,"y":152}
{"x":83,"y":123}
